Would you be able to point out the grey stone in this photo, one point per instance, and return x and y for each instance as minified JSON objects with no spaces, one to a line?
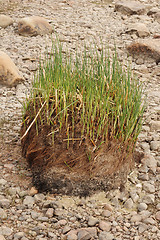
{"x":39,"y":197}
{"x":5,"y":203}
{"x":3,"y":181}
{"x":52,"y":235}
{"x":3,"y":214}
{"x":130,"y":7}
{"x":66,"y":229}
{"x":143,"y":177}
{"x":83,"y":235}
{"x":72,"y":236}
{"x":106,"y":236}
{"x":5,"y":21}
{"x":106,"y":213}
{"x":149,"y":221}
{"x":142,"y":227}
{"x":136,"y":218}
{"x":50,"y":212}
{"x":149,"y":199}
{"x":29,"y":201}
{"x":148,"y":187}
{"x":105,"y":226}
{"x":129,"y":203}
{"x":157,"y":215}
{"x":155,"y":145}
{"x":150,"y":162}
{"x":142,"y":207}
{"x":6,"y":231}
{"x":92,"y":221}
{"x":19,"y":235}
{"x":145,"y":214}
{"x":155,"y":125}
{"x":158,"y":206}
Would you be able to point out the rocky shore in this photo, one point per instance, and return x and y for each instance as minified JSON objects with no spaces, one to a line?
{"x":132,"y":212}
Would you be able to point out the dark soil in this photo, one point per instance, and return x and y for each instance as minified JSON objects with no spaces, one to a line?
{"x":78,"y":169}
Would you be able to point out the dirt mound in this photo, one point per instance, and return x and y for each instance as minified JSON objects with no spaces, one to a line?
{"x":73,"y":166}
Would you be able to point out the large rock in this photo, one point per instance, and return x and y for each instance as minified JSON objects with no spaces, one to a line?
{"x":9,"y":74}
{"x":33,"y":26}
{"x":5,"y":21}
{"x":130,"y":7}
{"x":147,"y":48}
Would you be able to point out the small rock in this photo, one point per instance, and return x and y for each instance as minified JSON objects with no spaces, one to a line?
{"x":149,"y":199}
{"x":105,"y":226}
{"x":50,"y":212}
{"x":155,"y":125}
{"x":155,"y":145}
{"x":83,"y":235}
{"x":142,"y":207}
{"x":158,"y":206}
{"x":6,"y":231}
{"x":72,"y":236}
{"x":134,"y":196}
{"x":108,"y":207}
{"x":62,"y":222}
{"x":33,"y":191}
{"x":106,"y":213}
{"x":136,"y":218}
{"x":157,"y":216}
{"x":129,"y":203}
{"x":148,"y":187}
{"x":3,"y":182}
{"x":106,"y":236}
{"x":4,"y":203}
{"x":92,"y":221}
{"x":145,"y":214}
{"x":5,"y":21}
{"x":29,"y":201}
{"x":142,"y":227}
{"x":149,"y":221}
{"x":19,"y":235}
{"x":143,"y":177}
{"x":33,"y":26}
{"x":39,"y":197}
{"x":52,"y":236}
{"x":150,"y":162}
{"x":3,"y":214}
{"x":66,"y":229}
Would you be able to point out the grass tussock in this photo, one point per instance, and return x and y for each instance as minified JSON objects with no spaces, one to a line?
{"x":91,"y":91}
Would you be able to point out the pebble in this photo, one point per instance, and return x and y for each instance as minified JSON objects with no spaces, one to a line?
{"x":129,"y":203}
{"x":92,"y":221}
{"x":105,"y":236}
{"x":29,"y":201}
{"x":157,"y":216}
{"x":142,"y":207}
{"x":105,"y":226}
{"x":3,"y":214}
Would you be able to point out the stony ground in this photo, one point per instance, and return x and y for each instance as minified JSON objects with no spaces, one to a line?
{"x":133,"y":212}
